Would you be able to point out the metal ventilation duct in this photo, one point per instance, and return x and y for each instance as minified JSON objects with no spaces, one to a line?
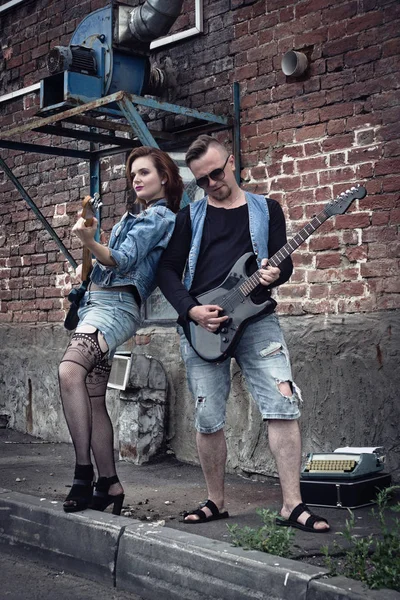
{"x":153,"y":19}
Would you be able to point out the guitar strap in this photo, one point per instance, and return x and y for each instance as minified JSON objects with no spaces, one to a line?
{"x":75,"y":296}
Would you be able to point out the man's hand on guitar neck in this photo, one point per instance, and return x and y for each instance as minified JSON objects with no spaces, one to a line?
{"x":208,"y":316}
{"x":267,"y":273}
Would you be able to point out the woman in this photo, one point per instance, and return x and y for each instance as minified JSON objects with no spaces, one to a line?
{"x":122,"y":278}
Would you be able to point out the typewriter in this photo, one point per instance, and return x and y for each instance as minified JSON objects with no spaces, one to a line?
{"x":342,"y":465}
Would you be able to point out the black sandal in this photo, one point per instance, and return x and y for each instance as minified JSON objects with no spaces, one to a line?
{"x":81,"y":491}
{"x":203,"y":518}
{"x":292,"y":521}
{"x":101,"y":498}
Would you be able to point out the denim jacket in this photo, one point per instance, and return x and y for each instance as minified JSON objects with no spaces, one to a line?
{"x":258,"y":224}
{"x":136,"y":244}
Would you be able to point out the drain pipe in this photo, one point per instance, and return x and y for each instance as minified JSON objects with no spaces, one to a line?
{"x":153,"y":19}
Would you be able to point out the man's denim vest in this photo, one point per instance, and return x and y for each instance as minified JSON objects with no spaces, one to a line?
{"x":258,"y":225}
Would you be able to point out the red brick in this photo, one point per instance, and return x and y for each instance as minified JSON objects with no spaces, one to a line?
{"x":352,"y":221}
{"x":311,"y":133}
{"x":348,"y":288}
{"x":302,"y":259}
{"x":356,"y":306}
{"x":388,"y":302}
{"x":324,"y":306}
{"x":319,"y":291}
{"x":311,"y":164}
{"x":380,"y":234}
{"x":327,"y":261}
{"x":322,"y":242}
{"x":387,"y":166}
{"x":379,"y":268}
{"x":359,"y":253}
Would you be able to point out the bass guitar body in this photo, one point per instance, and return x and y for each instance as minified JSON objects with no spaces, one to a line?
{"x":214,"y":347}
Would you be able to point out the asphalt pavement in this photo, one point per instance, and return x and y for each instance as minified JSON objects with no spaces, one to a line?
{"x":156,"y":493}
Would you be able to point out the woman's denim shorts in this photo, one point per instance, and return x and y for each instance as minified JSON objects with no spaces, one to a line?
{"x":115,"y":314}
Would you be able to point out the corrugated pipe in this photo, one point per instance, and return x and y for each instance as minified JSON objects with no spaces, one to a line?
{"x":154,"y":19}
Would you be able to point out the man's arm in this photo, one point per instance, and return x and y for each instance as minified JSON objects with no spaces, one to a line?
{"x":172,"y":265}
{"x":277,"y":239}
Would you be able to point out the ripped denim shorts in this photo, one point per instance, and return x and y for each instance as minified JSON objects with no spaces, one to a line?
{"x":264,"y":360}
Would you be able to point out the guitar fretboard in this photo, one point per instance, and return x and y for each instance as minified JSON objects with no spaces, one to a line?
{"x":253,"y":281}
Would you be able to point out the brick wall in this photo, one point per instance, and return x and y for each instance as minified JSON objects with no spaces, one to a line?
{"x":303,"y":142}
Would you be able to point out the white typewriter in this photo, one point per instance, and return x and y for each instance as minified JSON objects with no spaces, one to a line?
{"x":344,"y":463}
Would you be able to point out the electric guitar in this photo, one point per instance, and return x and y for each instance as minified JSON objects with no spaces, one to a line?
{"x":233,"y":295}
{"x":89,"y":207}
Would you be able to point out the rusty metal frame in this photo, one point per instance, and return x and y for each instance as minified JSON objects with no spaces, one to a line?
{"x":57,"y":124}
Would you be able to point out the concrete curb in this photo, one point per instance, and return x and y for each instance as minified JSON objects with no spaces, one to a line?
{"x":159,"y":562}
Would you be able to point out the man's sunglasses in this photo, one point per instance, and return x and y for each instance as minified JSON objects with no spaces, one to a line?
{"x":216,"y":175}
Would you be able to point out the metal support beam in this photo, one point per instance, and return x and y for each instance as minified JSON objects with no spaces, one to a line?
{"x":40,"y":122}
{"x":137,"y":123}
{"x":89,"y":136}
{"x":94,"y":168}
{"x":37,"y":212}
{"x":236,"y":130}
{"x":178,"y":110}
{"x":39,"y":149}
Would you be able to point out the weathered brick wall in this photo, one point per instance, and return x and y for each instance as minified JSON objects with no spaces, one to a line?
{"x":306,"y":140}
{"x":303,"y":142}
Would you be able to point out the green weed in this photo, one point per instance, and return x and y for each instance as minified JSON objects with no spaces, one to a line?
{"x":375,"y":563}
{"x":269,"y":538}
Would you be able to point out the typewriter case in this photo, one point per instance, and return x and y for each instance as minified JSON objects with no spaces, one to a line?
{"x":342,"y":493}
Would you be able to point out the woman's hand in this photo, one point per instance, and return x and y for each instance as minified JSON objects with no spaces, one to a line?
{"x":84,"y":233}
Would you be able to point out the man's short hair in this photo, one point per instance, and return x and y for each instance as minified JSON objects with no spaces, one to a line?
{"x":200,"y":146}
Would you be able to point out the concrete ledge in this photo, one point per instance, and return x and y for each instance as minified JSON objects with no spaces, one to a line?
{"x":85,"y":542}
{"x":341,"y":588}
{"x":171,"y":564}
{"x":162,"y":563}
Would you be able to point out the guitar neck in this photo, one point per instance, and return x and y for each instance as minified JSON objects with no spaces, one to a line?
{"x":253,"y":281}
{"x":86,"y":263}
{"x":86,"y":255}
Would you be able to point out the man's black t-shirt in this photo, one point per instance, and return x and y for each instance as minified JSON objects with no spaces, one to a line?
{"x":226,"y":237}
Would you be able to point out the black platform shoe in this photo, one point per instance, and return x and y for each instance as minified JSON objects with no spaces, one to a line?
{"x":101,"y":498}
{"x":80,"y":495}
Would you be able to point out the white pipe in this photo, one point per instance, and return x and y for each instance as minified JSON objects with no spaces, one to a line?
{"x":10,"y":4}
{"x":174,"y":37}
{"x":21,"y":92}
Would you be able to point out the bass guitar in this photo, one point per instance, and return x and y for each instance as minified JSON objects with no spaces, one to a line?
{"x":233,"y":295}
{"x":89,"y":208}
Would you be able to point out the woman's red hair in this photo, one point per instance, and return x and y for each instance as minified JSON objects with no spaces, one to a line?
{"x":166,"y":169}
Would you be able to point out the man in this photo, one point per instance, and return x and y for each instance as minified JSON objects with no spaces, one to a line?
{"x":209,"y":237}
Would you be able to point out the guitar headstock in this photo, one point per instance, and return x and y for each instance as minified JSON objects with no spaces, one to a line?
{"x":341,"y":203}
{"x":90,"y":205}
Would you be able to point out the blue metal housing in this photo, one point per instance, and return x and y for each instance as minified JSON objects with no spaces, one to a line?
{"x":116,"y":69}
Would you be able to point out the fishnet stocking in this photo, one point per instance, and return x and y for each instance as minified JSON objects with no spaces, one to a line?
{"x":83,"y":377}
